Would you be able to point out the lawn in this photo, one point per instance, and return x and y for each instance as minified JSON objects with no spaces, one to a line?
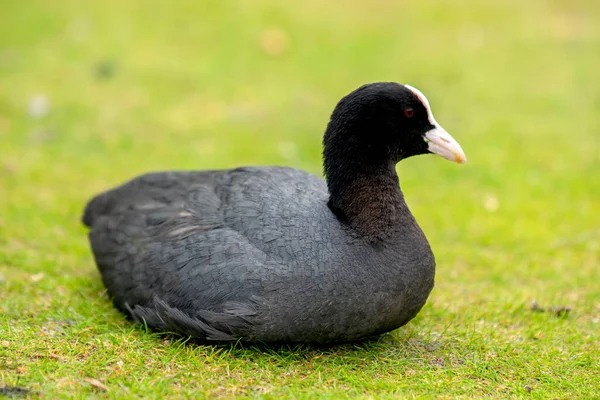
{"x":94,"y":93}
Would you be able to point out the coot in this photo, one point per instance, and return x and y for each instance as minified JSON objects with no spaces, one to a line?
{"x":275,"y":254}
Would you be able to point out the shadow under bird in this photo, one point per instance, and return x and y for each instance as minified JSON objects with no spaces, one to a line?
{"x":275,"y":254}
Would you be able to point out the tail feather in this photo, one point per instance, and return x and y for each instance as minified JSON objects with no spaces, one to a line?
{"x":162,"y":317}
{"x":94,"y":208}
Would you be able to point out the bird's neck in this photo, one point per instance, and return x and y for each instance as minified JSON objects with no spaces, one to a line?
{"x":366,"y":196}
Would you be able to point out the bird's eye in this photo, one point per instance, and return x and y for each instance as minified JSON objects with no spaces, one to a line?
{"x":409,"y":112}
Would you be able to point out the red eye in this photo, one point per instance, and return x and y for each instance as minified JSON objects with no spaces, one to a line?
{"x":409,"y":112}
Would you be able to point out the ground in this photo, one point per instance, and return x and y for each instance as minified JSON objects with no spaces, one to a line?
{"x":94,"y":93}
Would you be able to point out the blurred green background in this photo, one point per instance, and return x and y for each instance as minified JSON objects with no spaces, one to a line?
{"x":94,"y":93}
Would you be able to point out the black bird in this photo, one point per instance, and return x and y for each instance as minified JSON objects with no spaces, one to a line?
{"x":275,"y":254}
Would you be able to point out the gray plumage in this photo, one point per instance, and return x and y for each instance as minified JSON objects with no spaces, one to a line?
{"x":271,"y":254}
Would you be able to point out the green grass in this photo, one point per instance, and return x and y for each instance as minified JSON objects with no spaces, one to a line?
{"x":215,"y":84}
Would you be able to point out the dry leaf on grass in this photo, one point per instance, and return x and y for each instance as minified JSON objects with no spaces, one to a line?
{"x":97,"y":384}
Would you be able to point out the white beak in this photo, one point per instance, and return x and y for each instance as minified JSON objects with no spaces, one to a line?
{"x":442,"y":144}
